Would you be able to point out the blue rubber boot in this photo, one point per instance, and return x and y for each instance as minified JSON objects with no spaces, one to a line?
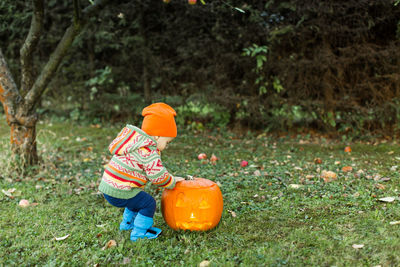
{"x":127,"y":220}
{"x":143,"y":228}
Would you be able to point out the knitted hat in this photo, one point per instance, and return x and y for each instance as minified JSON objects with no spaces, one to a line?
{"x":159,"y":120}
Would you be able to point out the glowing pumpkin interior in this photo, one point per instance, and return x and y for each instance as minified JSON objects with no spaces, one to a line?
{"x":192,"y":205}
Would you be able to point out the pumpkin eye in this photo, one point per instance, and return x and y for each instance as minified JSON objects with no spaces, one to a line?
{"x":180,"y":203}
{"x":204,"y":204}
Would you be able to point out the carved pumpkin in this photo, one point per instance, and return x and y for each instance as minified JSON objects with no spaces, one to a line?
{"x":192,"y":205}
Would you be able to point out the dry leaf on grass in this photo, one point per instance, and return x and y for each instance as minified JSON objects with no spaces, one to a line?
{"x":8,"y":192}
{"x":11,"y":193}
{"x":328,"y":176}
{"x":295,"y":186}
{"x":110,"y":244}
{"x":318,"y":161}
{"x":358,"y":246}
{"x":62,"y":238}
{"x":126,"y":260}
{"x":387,"y":199}
{"x":257,"y":173}
{"x":394,"y":223}
{"x":380,"y":186}
{"x":232,"y":213}
{"x":347,"y":169}
{"x":214,"y":159}
{"x":204,"y":263}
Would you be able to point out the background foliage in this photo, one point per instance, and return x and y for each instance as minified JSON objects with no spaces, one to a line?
{"x":275,"y":65}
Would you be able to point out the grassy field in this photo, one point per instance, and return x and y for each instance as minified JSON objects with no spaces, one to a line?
{"x":278,"y":211}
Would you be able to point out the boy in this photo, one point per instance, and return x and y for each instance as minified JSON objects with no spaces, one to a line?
{"x":136,"y":160}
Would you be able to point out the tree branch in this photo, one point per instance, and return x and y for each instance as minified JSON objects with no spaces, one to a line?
{"x":29,"y":46}
{"x":77,"y":12}
{"x":56,"y":57}
{"x":9,"y":94}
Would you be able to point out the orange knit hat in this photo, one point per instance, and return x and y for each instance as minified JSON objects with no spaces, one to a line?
{"x":159,"y":120}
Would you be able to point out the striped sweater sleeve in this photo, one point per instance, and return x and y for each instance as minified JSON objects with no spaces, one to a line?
{"x":156,"y":173}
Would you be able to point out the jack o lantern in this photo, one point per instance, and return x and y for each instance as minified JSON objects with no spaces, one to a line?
{"x":192,"y":205}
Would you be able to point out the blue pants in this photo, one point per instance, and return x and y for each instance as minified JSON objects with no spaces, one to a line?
{"x":142,"y":203}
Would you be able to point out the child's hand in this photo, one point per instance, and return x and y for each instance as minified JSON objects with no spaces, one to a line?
{"x":178,"y":179}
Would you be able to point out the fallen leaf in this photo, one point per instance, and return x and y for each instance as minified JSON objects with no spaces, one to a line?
{"x":380,"y":186}
{"x":387,"y":199}
{"x":213,"y":158}
{"x":318,"y":161}
{"x":126,"y":260}
{"x":62,"y":238}
{"x":358,"y":246}
{"x":204,"y":263}
{"x":257,"y":173}
{"x":110,"y":244}
{"x":394,"y":223}
{"x":328,"y":176}
{"x":232,"y":213}
{"x":377,"y":177}
{"x":347,"y":169}
{"x":295,"y":186}
{"x":11,"y":192}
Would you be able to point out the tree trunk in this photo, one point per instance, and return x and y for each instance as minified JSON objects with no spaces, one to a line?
{"x":23,"y":144}
{"x":20,"y":104}
{"x":22,"y":124}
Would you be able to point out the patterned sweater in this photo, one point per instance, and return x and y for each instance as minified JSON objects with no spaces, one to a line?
{"x":135,"y":161}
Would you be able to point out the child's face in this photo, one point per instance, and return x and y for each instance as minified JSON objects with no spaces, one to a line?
{"x":163,"y":141}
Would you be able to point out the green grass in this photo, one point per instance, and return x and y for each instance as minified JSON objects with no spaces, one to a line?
{"x":275,"y":224}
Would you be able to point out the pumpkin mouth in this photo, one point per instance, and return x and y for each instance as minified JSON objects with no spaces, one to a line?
{"x":194,"y":225}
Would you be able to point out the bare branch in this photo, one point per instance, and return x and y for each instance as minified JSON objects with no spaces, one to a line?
{"x":77,"y":12}
{"x":30,"y":44}
{"x":56,"y":57}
